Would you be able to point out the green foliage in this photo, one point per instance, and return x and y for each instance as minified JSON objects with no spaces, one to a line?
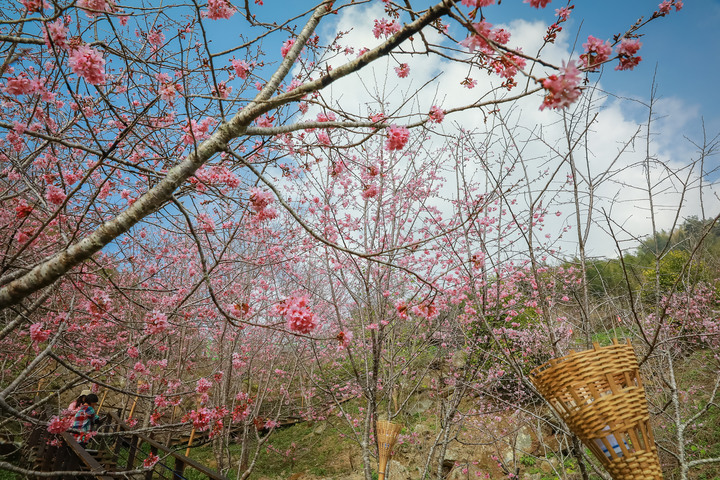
{"x":604,"y":337}
{"x":637,"y":272}
{"x":527,"y":460}
{"x":676,"y":268}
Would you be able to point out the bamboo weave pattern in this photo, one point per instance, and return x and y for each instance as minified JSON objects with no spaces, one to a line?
{"x":600,"y":396}
{"x":387,"y":435}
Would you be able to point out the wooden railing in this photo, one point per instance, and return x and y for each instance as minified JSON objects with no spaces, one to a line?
{"x":134,"y":443}
{"x":96,"y":470}
{"x":69,"y":456}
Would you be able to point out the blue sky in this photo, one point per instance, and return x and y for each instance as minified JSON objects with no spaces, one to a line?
{"x":682,"y":46}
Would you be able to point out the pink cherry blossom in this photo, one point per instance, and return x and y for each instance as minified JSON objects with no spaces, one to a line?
{"x":89,"y":64}
{"x":241,"y":67}
{"x":54,"y":195}
{"x":23,"y":85}
{"x":261,"y":201}
{"x":537,"y":3}
{"x":397,"y":137}
{"x":437,"y":114}
{"x":38,"y":334}
{"x":477,"y":3}
{"x":223,"y":90}
{"x":203,"y":385}
{"x":562,"y":89}
{"x":194,"y":132}
{"x":665,"y":7}
{"x":563,"y":13}
{"x":56,"y":31}
{"x":596,"y":52}
{"x":271,"y":424}
{"x":150,"y":460}
{"x":469,"y":83}
{"x":297,"y":313}
{"x":156,"y":323}
{"x":626,"y":52}
{"x":93,"y":8}
{"x":155,"y":38}
{"x":265,"y":121}
{"x":219,"y":9}
{"x":383,"y":27}
{"x":324,"y":138}
{"x":403,"y":70}
{"x":34,"y":5}
{"x":206,"y":223}
{"x":287,"y":45}
{"x":60,"y":424}
{"x":478,"y":41}
{"x":370,"y":191}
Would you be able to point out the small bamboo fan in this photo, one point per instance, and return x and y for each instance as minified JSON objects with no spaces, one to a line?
{"x":387,"y":435}
{"x":599,"y":395}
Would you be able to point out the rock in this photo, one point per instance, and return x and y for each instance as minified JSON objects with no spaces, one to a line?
{"x":523,"y":442}
{"x":456,"y":474}
{"x":456,"y":453}
{"x":397,"y":471}
{"x":421,"y":406}
{"x":422,"y":430}
{"x":458,"y":359}
{"x":521,"y":446}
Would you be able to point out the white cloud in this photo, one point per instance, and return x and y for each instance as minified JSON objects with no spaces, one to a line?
{"x":613,"y":158}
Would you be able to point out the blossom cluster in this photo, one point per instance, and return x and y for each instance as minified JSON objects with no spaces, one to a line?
{"x":89,"y":64}
{"x":627,"y":51}
{"x":385,"y":28}
{"x":93,"y":8}
{"x":60,"y":424}
{"x":287,"y":46}
{"x":38,"y":334}
{"x":562,"y":89}
{"x":219,"y":9}
{"x":596,"y":53}
{"x":241,"y":67}
{"x":437,"y":114}
{"x":194,"y":132}
{"x":397,"y":137}
{"x":156,"y":323}
{"x":297,"y":313}
{"x":203,"y":385}
{"x":261,"y":201}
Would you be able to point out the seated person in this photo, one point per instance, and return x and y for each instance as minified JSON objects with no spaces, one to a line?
{"x":84,"y":419}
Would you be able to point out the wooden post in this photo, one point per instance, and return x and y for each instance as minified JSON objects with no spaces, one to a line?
{"x":132,"y":409}
{"x":179,"y":469}
{"x":37,"y":394}
{"x":190,"y":440}
{"x":97,"y":412}
{"x":131,"y":452}
{"x":192,"y":433}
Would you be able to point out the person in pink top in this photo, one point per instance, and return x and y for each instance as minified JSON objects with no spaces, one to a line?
{"x":77,"y":404}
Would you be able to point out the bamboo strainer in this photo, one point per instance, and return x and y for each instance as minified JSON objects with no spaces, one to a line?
{"x":599,"y":395}
{"x":387,"y":435}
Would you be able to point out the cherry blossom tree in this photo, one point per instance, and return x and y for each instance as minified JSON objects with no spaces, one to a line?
{"x":189,"y":219}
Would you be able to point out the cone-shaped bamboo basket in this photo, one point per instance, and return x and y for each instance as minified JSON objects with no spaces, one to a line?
{"x":600,"y":396}
{"x":387,"y":435}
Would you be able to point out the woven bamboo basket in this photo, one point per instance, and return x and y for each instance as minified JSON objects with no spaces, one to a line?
{"x":387,"y":435}
{"x":600,"y":396}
